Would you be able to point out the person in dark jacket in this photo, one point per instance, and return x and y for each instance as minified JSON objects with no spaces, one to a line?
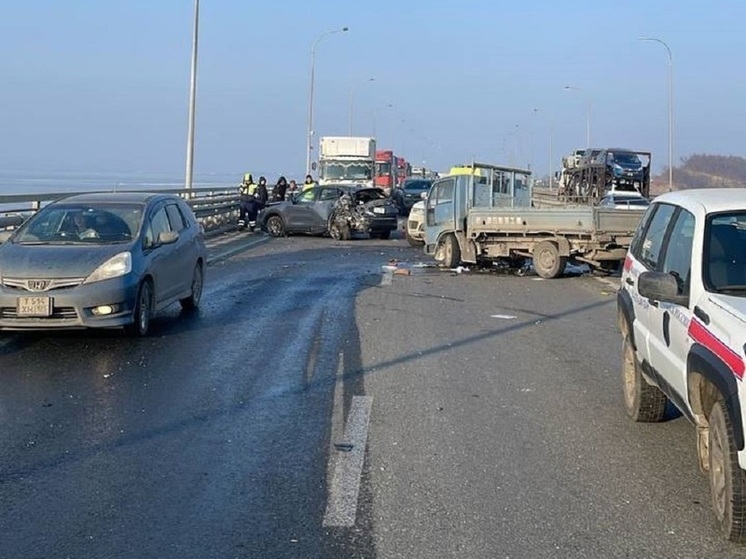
{"x":262,"y":195}
{"x":280,"y":189}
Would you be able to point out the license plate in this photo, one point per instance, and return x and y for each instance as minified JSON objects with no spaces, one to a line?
{"x":34,"y":306}
{"x":379,"y":210}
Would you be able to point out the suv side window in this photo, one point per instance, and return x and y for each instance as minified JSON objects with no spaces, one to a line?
{"x":308,"y":195}
{"x":330,"y":194}
{"x":652,"y":242}
{"x":678,"y":257}
{"x":634,"y":246}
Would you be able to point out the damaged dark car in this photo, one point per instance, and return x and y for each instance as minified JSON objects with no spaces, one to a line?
{"x":366,"y":210}
{"x":340,"y":210}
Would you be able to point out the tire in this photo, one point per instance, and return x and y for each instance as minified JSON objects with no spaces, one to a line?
{"x":451,"y":252}
{"x":727,"y":479}
{"x":143,"y":312}
{"x":412,"y":241}
{"x":339,"y":232}
{"x":547,"y":261}
{"x":275,"y":226}
{"x":644,"y":403}
{"x":198,"y":282}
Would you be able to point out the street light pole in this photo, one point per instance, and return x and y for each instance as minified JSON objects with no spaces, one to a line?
{"x":192,"y":102}
{"x":670,"y":107}
{"x":587,"y":115}
{"x":375,"y":117}
{"x":309,"y":146}
{"x":352,"y":101}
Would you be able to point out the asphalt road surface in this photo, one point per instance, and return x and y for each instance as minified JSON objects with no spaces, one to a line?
{"x":321,"y":406}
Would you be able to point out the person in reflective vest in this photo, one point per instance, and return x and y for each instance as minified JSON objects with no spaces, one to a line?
{"x":248,"y":206}
{"x":309,"y":183}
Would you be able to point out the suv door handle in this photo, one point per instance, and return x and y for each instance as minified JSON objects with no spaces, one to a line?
{"x":629,"y":281}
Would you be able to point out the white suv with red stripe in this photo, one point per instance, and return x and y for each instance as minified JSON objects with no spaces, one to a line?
{"x":682,"y":313}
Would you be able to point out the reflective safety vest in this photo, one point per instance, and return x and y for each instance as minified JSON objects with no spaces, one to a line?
{"x":308,"y":185}
{"x":248,"y":188}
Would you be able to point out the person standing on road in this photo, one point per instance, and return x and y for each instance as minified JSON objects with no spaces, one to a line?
{"x":278,"y":192}
{"x":309,"y":183}
{"x":247,"y":191}
{"x":262,"y":195}
{"x":292,"y":189}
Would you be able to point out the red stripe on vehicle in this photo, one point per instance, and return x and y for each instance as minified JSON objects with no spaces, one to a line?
{"x":628,"y":263}
{"x":700,"y":334}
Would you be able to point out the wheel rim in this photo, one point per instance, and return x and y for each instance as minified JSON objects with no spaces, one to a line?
{"x":197,"y":283}
{"x":275,"y":226}
{"x":546,"y":259}
{"x":449,"y":251}
{"x":630,"y":375}
{"x":717,"y":469}
{"x":334,"y":231}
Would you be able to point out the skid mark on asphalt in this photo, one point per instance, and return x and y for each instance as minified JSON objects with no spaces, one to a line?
{"x":341,"y":506}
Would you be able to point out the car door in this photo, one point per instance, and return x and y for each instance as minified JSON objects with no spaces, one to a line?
{"x":299,"y":215}
{"x":669,"y":323}
{"x":323,"y":207}
{"x":184,"y":249}
{"x":160,"y":258}
{"x":439,"y":216}
{"x":646,"y":254}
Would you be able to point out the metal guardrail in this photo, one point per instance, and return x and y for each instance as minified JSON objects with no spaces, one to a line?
{"x":215,"y":207}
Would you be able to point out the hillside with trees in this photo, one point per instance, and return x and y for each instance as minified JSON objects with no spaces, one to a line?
{"x":703,"y":171}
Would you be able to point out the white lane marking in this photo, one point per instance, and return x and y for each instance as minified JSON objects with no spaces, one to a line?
{"x":341,"y":506}
{"x":235,"y":250}
{"x":337,"y":415}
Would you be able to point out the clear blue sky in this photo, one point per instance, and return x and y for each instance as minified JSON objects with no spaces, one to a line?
{"x":92,"y":85}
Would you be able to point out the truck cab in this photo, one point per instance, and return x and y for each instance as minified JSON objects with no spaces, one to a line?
{"x":467,"y":187}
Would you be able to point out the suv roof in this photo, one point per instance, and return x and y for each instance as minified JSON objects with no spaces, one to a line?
{"x":707,"y":199}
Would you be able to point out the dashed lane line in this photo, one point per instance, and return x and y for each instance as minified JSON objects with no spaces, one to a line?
{"x":235,"y":250}
{"x":341,"y":506}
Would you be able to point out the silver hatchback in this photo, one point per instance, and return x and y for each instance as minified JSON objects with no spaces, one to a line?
{"x":101,"y":261}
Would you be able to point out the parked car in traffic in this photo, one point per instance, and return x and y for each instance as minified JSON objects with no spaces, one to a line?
{"x":101,"y":261}
{"x":624,"y":201}
{"x":415,"y":230}
{"x":410,"y":192}
{"x":681,"y":309}
{"x":312,"y":210}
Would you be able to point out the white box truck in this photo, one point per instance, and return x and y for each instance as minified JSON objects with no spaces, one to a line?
{"x":347,"y":159}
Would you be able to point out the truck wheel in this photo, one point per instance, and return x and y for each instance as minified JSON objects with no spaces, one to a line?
{"x":727,"y":479}
{"x":644,"y":403}
{"x":452,"y":252}
{"x":547,"y":260}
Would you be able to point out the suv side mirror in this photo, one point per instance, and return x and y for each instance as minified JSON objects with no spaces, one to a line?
{"x":661,"y":286}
